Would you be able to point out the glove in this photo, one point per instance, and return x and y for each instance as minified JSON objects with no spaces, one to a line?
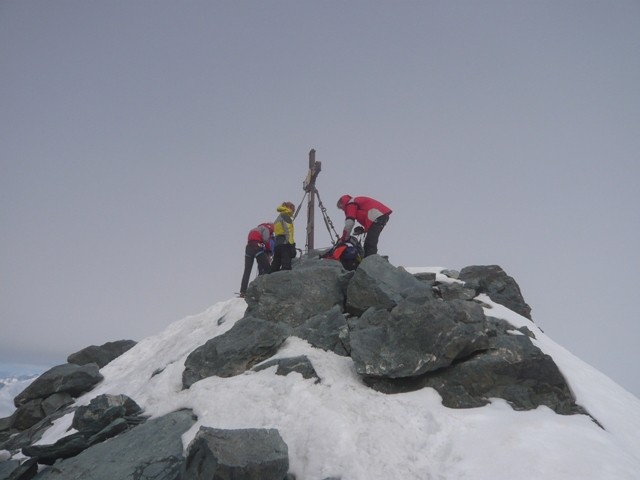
{"x":359,"y":230}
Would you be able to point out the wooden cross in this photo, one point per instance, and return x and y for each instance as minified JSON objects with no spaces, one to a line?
{"x":310,"y":187}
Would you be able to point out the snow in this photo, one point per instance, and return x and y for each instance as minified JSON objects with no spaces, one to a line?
{"x":341,"y":428}
{"x":9,"y":388}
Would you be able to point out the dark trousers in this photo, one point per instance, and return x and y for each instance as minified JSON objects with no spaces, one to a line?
{"x":281,"y":258}
{"x":253,"y":251}
{"x":373,"y":235}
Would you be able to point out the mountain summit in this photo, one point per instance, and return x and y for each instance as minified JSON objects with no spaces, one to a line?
{"x":382,"y":373}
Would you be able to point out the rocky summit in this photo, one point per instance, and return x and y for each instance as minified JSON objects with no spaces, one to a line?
{"x":402,"y":332}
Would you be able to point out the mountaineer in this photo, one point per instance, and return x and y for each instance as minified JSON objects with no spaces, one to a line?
{"x":370,"y":213}
{"x":285,"y":248}
{"x":258,"y":248}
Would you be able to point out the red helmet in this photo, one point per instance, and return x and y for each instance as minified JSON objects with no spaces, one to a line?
{"x":343,"y":200}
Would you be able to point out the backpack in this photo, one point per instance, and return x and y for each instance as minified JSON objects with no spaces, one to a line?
{"x":349,"y":253}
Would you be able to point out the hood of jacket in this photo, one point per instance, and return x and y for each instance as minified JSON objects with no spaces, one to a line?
{"x":285,"y":210}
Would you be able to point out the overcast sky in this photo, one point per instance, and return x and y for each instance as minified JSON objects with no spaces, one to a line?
{"x":141,"y":140}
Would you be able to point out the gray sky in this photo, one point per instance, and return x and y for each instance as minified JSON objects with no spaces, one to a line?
{"x":140,"y":141}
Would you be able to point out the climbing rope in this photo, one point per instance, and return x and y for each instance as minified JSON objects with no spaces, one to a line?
{"x":300,"y":205}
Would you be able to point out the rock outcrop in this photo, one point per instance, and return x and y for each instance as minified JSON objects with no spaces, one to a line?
{"x":403,"y":332}
{"x":150,"y":451}
{"x":101,"y":355}
{"x":68,"y":378}
{"x":243,"y":454}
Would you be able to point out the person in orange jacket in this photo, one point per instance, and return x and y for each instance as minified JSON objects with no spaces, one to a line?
{"x":259,"y":249}
{"x":368,"y":212}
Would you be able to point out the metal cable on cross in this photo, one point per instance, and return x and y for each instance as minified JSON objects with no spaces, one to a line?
{"x":327,"y":221}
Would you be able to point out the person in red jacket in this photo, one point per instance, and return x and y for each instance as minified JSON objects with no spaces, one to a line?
{"x":258,"y":248}
{"x":368,"y":212}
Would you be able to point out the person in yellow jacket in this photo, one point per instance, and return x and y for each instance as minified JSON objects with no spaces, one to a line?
{"x":285,"y":248}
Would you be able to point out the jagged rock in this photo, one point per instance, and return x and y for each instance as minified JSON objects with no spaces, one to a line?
{"x":14,"y":470}
{"x":20,"y":439}
{"x":378,"y":284}
{"x":500,"y":287}
{"x":410,"y":332}
{"x":250,"y":341}
{"x":73,"y":444}
{"x":251,"y":454}
{"x":67,"y":378}
{"x":328,"y":331}
{"x":28,"y":414}
{"x":426,"y":277}
{"x":116,"y":427}
{"x":511,"y":368}
{"x":7,"y":467}
{"x":455,"y":291}
{"x":55,"y":402}
{"x":150,"y":451}
{"x":101,"y":411}
{"x":292,"y":297}
{"x":451,"y":273}
{"x":103,"y":418}
{"x":101,"y":355}
{"x":66,"y":447}
{"x":33,"y":411}
{"x":300,"y":364}
{"x":415,"y":338}
{"x":6,"y":422}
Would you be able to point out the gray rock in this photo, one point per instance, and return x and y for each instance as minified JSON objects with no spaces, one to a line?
{"x":300,"y":364}
{"x":116,"y":427}
{"x":292,"y":297}
{"x":7,"y":468}
{"x":101,"y":355}
{"x":328,"y":331}
{"x":33,"y":411}
{"x":67,"y":378}
{"x":451,"y":273}
{"x":55,"y":402}
{"x":455,"y":291}
{"x":500,"y":287}
{"x":104,"y":417}
{"x":66,"y":447}
{"x":6,"y":422}
{"x":426,"y":277}
{"x":248,"y":454}
{"x":20,"y":439}
{"x":14,"y":470}
{"x":27,"y":414}
{"x":101,"y":411}
{"x":250,"y":341}
{"x":152,"y":451}
{"x":378,"y":284}
{"x":416,"y":338}
{"x":511,"y":368}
